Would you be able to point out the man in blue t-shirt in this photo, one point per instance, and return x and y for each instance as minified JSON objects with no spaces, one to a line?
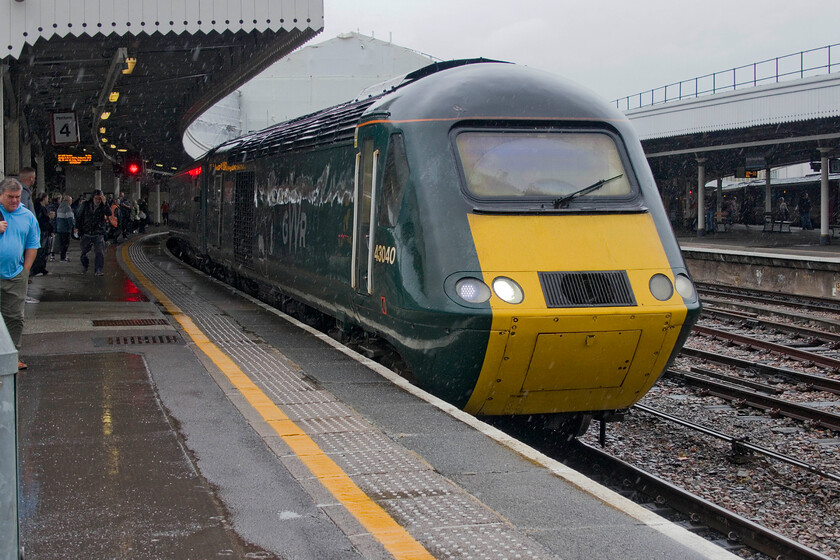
{"x":20,"y":239}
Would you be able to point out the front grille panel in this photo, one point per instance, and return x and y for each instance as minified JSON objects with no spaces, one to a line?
{"x":587,"y":289}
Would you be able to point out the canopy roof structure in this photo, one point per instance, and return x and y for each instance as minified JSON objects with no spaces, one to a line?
{"x":134,"y":75}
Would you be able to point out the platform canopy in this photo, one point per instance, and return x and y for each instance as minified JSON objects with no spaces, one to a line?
{"x":67,"y":60}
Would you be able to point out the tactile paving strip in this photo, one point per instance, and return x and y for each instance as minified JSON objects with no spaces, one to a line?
{"x":449,"y":522}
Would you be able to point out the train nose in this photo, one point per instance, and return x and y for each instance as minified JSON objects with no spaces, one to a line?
{"x":545,"y":362}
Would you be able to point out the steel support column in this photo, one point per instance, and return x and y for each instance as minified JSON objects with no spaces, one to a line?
{"x":768,"y":195}
{"x":825,"y":238}
{"x":157,"y":204}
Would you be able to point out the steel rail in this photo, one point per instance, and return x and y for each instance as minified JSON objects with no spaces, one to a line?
{"x":756,"y":400}
{"x":773,"y":298}
{"x":753,"y":310}
{"x":817,"y":382}
{"x":738,"y":444}
{"x":772,"y":346}
{"x":726,"y":378}
{"x":753,"y":319}
{"x":736,"y":527}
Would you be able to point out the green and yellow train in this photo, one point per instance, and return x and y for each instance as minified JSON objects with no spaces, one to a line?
{"x":497,"y":226}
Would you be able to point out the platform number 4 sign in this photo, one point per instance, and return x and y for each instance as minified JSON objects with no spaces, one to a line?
{"x":65,"y":128}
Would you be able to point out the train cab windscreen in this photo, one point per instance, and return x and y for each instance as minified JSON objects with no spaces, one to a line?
{"x":561,"y":166}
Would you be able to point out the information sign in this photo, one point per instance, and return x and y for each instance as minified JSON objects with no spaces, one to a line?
{"x":64,"y":128}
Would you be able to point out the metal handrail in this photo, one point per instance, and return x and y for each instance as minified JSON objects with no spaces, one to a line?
{"x":749,"y":75}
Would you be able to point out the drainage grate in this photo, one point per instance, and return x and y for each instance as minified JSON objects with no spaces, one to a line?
{"x":143,"y":339}
{"x":587,"y":289}
{"x":128,"y":322}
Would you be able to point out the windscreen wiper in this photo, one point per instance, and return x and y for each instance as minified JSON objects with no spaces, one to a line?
{"x":583,"y":191}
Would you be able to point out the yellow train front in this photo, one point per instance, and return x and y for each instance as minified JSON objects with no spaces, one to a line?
{"x":497,"y":226}
{"x":536,"y":211}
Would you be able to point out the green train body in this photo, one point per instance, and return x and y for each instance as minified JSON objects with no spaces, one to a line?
{"x":413,"y":216}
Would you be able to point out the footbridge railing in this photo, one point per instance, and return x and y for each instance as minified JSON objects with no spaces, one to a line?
{"x":804,"y":64}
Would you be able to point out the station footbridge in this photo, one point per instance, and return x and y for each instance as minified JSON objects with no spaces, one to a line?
{"x":768,"y":114}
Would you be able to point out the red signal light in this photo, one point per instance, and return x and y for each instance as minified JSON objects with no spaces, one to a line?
{"x":133,"y":167}
{"x":194,"y":172}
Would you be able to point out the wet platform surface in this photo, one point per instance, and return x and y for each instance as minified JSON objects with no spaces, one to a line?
{"x":135,"y":443}
{"x":103,"y":475}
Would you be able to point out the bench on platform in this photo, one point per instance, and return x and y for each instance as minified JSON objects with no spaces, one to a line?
{"x":771,"y":224}
{"x":834,"y":229}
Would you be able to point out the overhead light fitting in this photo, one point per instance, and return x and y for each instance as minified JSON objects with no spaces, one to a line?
{"x":104,"y":140}
{"x":114,"y":95}
{"x":113,"y":146}
{"x":101,"y":130}
{"x":122,"y":150}
{"x":128,"y":65}
{"x":105,"y":115}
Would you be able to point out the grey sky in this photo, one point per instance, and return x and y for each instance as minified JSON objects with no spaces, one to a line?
{"x":615,"y":48}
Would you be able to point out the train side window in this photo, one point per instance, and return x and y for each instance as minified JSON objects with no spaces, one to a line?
{"x":394,"y":180}
{"x":367,"y":181}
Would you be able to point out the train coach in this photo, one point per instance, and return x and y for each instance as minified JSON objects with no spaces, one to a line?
{"x":496,"y":227}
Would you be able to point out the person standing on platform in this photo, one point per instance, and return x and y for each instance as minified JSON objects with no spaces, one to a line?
{"x":784,"y":213}
{"x":65,"y":221}
{"x":27,"y":179}
{"x":91,"y":226}
{"x":125,"y":216}
{"x":164,"y":212}
{"x":19,"y":243}
{"x":53,"y":208}
{"x":805,"y":212}
{"x":42,"y":214}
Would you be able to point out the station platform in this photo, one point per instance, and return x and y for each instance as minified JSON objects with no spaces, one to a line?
{"x":796,"y":243}
{"x":165,"y":415}
{"x":789,"y":262}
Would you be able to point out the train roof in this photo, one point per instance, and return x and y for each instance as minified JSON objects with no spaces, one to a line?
{"x":456,"y":89}
{"x":497,"y":91}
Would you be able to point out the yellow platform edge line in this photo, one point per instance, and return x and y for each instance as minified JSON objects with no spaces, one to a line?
{"x":396,"y":540}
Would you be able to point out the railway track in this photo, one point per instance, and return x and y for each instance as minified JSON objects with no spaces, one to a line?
{"x":699,"y":514}
{"x":775,"y":467}
{"x":673,"y":501}
{"x":765,"y":298}
{"x":744,"y":396}
{"x":752,"y":341}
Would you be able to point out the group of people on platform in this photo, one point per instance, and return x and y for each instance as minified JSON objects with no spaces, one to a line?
{"x":749,"y":212}
{"x":33,"y":229}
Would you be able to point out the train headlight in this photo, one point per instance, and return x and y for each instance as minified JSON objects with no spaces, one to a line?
{"x":685,"y":287}
{"x":472,"y":290}
{"x":661,"y":287}
{"x":508,"y":290}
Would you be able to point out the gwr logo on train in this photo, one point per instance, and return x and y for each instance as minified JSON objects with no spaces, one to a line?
{"x":293,"y":228}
